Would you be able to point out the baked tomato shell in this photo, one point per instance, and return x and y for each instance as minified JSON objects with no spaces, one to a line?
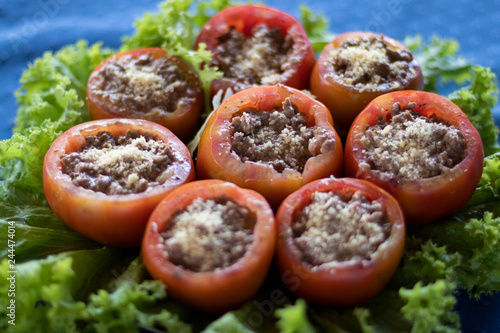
{"x":423,"y":200}
{"x":183,"y":122}
{"x":345,"y":102}
{"x":244,"y":18}
{"x":215,"y":159}
{"x":117,"y":220}
{"x":343,"y":283}
{"x":222,"y":289}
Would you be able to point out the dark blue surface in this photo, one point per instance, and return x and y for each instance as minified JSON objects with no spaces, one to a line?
{"x":28,"y":28}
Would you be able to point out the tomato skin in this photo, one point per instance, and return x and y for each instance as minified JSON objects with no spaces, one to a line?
{"x":244,"y":18}
{"x":346,"y":284}
{"x":346,"y":102}
{"x":223,"y":289}
{"x":424,"y":200}
{"x":117,"y":220}
{"x":183,"y":122}
{"x":214,"y":159}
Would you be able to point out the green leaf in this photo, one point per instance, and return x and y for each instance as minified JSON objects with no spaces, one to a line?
{"x":49,"y":293}
{"x":477,"y":100}
{"x":439,"y":61}
{"x":316,"y":27}
{"x":293,"y":318}
{"x":430,"y":307}
{"x":228,"y":323}
{"x":38,"y":233}
{"x":51,"y":100}
{"x":130,"y":304}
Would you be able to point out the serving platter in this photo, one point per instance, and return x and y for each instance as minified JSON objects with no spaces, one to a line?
{"x":31,"y":28}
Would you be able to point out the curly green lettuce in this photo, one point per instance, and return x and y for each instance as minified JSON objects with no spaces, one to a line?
{"x":439,"y":61}
{"x":477,"y":100}
{"x":51,"y":100}
{"x":68,"y":283}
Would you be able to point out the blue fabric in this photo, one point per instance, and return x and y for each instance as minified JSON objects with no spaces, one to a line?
{"x":28,"y":28}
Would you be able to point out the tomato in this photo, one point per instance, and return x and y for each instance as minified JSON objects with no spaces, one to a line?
{"x":338,"y":283}
{"x":426,"y":199}
{"x":243,"y":19}
{"x":109,"y":97}
{"x":223,"y":288}
{"x":345,"y":101}
{"x":117,"y":220}
{"x":216,"y":158}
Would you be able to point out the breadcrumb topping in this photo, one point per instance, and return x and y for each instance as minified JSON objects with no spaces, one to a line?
{"x":143,"y":84}
{"x":266,"y":57}
{"x":368,"y":63}
{"x":209,"y":234}
{"x":132,"y":163}
{"x":412,"y":146}
{"x":336,"y":229}
{"x":280,"y":138}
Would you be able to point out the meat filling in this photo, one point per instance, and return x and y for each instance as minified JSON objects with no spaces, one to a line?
{"x":280,"y":138}
{"x":209,"y":234}
{"x":336,"y":229}
{"x":369,"y":63}
{"x":131,"y":163}
{"x":266,"y":57}
{"x":412,"y":146}
{"x":143,"y":84}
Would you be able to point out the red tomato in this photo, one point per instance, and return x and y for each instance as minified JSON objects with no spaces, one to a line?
{"x":117,"y":220}
{"x":183,"y":121}
{"x":221,"y":289}
{"x":244,"y":18}
{"x":215,"y":158}
{"x":346,"y":283}
{"x":422,"y":200}
{"x":344,"y":101}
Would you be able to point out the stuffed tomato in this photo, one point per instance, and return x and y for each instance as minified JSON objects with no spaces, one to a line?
{"x":147,"y":84}
{"x":421,"y":148}
{"x":271,"y":139}
{"x":211,"y":243}
{"x":256,"y":45}
{"x":104,"y":178}
{"x":356,"y":67}
{"x":339,"y":241}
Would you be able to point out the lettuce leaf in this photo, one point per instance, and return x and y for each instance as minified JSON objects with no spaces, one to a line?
{"x":130,"y":305}
{"x":316,"y":27}
{"x":38,"y":233}
{"x":51,"y":100}
{"x":430,"y":307}
{"x":439,"y":61}
{"x":227,"y":323}
{"x":477,"y":100}
{"x":50,"y":292}
{"x":293,"y":318}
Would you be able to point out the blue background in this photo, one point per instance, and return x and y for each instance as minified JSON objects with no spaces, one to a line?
{"x":28,"y":28}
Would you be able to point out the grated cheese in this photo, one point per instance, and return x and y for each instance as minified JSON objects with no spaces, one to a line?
{"x":335,"y":229}
{"x":412,"y":146}
{"x":368,"y":63}
{"x":208,"y":235}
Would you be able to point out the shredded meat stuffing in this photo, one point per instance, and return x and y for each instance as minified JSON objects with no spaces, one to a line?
{"x":143,"y":84}
{"x":131,"y":163}
{"x":336,"y":229}
{"x":412,"y":146}
{"x":209,"y":234}
{"x":368,"y":63}
{"x":279,"y":138}
{"x":266,"y":57}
